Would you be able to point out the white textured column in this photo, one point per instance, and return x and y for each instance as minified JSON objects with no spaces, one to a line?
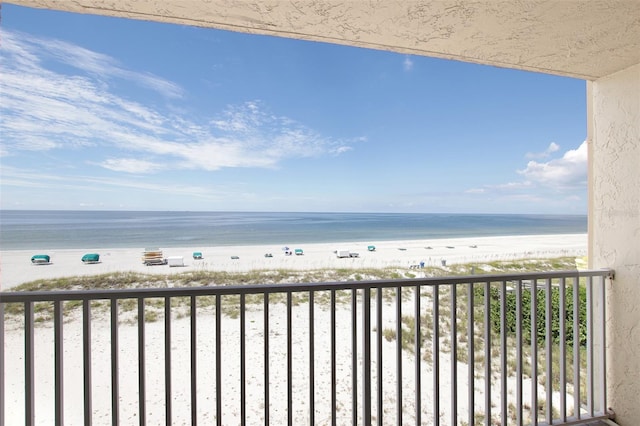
{"x":614,"y":228}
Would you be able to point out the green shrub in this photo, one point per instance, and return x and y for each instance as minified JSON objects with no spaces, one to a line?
{"x":511,"y":320}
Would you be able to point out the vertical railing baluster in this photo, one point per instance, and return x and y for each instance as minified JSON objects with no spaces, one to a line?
{"x":354,"y":358}
{"x":243,"y":362}
{"x":218,"y":360}
{"x":436,"y":353}
{"x":503,"y":354}
{"x":548,"y":352}
{"x":29,"y":365}
{"x":487,"y":353}
{"x":563,"y":350}
{"x":380,"y":419}
{"x":167,"y":360}
{"x":603,"y":342}
{"x":142,"y":388}
{"x":194,"y":358}
{"x":454,"y":354}
{"x":590,"y":388}
{"x":333,"y":357}
{"x":312,"y":352}
{"x":289,"y":363}
{"x":418,"y":354}
{"x":399,"y":396}
{"x":577,"y":403}
{"x":2,"y":391}
{"x":59,"y":361}
{"x":534,"y":351}
{"x":267,"y":402}
{"x":115,"y":365}
{"x":86,"y":331}
{"x":366,"y":356}
{"x":472,"y":355}
{"x":519,"y":367}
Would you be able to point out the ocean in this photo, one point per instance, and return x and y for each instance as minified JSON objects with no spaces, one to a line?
{"x":42,"y":229}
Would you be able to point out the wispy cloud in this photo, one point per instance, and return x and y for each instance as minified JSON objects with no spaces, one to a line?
{"x":407,"y":64}
{"x":130,"y":165}
{"x":46,"y":109}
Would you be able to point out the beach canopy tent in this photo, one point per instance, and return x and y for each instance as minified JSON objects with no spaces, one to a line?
{"x":299,"y":252}
{"x":40,"y":258}
{"x":91,"y":258}
{"x":371,"y":248}
{"x":197,"y":255}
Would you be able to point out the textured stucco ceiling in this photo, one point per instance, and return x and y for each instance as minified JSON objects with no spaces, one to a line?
{"x":579,"y":38}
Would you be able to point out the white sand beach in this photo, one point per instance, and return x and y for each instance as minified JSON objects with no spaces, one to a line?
{"x":16,"y":267}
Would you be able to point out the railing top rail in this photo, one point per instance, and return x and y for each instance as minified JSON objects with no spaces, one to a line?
{"x":54,"y":295}
{"x":22,"y":296}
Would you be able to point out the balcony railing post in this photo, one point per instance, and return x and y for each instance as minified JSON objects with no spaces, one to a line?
{"x":142,"y":369}
{"x":436,"y":354}
{"x":548,"y":356}
{"x":487,"y":353}
{"x":533,"y":291}
{"x":379,"y":361}
{"x":193,"y":340}
{"x":312,"y":351}
{"x":454,"y":355}
{"x":366,"y":356}
{"x":563,"y":350}
{"x":218,"y":361}
{"x":29,"y":365}
{"x":59,"y":361}
{"x":399,"y":381}
{"x":86,"y":327}
{"x":267,"y":402}
{"x":519,"y":360}
{"x":167,"y":361}
{"x":243,"y":362}
{"x":115,"y":368}
{"x":418,"y":355}
{"x":2,"y":387}
{"x":471,"y":355}
{"x":354,"y":358}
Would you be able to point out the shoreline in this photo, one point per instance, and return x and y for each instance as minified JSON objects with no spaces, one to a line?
{"x":16,"y":267}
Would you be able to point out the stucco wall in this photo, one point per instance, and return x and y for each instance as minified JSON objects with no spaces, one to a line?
{"x":615,"y":228}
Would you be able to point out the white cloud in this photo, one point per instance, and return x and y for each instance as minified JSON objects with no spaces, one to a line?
{"x":553,"y":147}
{"x":568,"y":172}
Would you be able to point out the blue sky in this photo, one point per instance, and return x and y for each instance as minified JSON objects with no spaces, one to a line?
{"x":102,"y":113}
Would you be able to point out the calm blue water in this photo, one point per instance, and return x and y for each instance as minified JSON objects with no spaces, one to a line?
{"x":31,"y":229}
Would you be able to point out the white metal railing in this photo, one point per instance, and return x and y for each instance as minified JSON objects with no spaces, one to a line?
{"x":487,"y":349}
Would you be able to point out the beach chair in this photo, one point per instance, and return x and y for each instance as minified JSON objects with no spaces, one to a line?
{"x":41,"y":259}
{"x":91,"y":258}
